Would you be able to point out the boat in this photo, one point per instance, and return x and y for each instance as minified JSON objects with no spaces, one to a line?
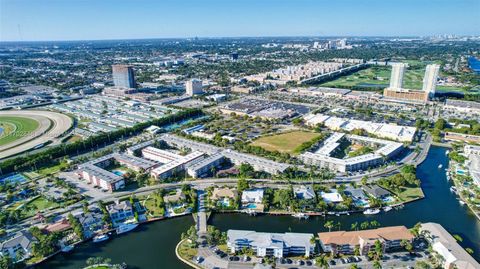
{"x":124,"y":228}
{"x":453,"y":189}
{"x":67,"y":248}
{"x":300,"y":216}
{"x":440,"y":166}
{"x":251,"y":212}
{"x":387,"y":208}
{"x":461,"y":202}
{"x":100,"y":238}
{"x":371,"y":211}
{"x":446,"y":152}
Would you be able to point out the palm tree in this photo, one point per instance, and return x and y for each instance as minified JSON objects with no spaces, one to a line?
{"x":329,"y":224}
{"x":354,"y":226}
{"x":321,"y":262}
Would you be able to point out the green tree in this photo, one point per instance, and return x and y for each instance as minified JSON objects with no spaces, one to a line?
{"x":322,"y":262}
{"x":329,"y":225}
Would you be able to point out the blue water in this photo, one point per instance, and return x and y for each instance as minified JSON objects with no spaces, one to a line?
{"x":251,"y":206}
{"x":12,"y":179}
{"x":118,"y":172}
{"x":1,"y":130}
{"x":474,"y":64}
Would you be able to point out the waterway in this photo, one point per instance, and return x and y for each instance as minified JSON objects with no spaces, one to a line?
{"x":474,"y":64}
{"x":152,"y":245}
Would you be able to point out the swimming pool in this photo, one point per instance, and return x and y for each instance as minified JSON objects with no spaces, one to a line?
{"x":118,"y":172}
{"x":251,"y":206}
{"x":460,"y":172}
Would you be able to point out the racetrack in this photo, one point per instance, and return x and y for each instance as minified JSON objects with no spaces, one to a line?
{"x":51,"y":125}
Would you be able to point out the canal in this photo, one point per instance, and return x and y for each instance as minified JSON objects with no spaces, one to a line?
{"x":152,"y":245}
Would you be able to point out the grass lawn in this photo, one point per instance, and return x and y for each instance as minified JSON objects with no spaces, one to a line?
{"x":40,"y":203}
{"x":152,"y":208}
{"x":186,"y":252}
{"x":14,"y":128}
{"x":408,"y":194}
{"x":286,"y":142}
{"x":52,"y":169}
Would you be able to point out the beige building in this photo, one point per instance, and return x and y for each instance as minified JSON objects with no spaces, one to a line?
{"x":343,"y":242}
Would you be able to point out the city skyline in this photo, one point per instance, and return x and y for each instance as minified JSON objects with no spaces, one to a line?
{"x":26,"y":20}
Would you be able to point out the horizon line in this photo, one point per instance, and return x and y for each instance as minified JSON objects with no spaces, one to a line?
{"x":237,"y":37}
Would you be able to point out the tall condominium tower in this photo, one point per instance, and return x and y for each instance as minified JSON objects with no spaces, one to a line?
{"x":430,"y":79}
{"x":193,"y":86}
{"x":396,"y":79}
{"x":123,"y":76}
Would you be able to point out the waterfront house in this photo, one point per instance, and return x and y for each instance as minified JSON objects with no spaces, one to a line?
{"x":270,"y":244}
{"x":120,"y":212}
{"x":19,"y":246}
{"x":222,"y":193}
{"x":178,"y":196}
{"x":359,"y":197}
{"x":252,"y":196}
{"x":304,"y":192}
{"x":377,"y":192}
{"x":342,"y":242}
{"x":91,"y":222}
{"x":331,"y":197}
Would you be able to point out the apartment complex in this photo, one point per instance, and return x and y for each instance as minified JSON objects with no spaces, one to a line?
{"x":323,"y":156}
{"x":343,"y":242}
{"x":271,"y":244}
{"x":454,"y":256}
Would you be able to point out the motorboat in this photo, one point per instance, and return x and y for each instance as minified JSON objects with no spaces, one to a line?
{"x":300,"y":216}
{"x":100,"y":238}
{"x":371,"y":211}
{"x":461,"y":202}
{"x":67,"y":248}
{"x":125,"y":228}
{"x":387,"y":208}
{"x":440,"y":166}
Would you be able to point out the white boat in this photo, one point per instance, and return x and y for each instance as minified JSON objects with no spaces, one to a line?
{"x":440,"y":166}
{"x":67,"y":248}
{"x":446,"y":152}
{"x":100,"y":238}
{"x":387,"y":208}
{"x":453,"y":189}
{"x":124,"y":228}
{"x":461,"y":202}
{"x":371,"y":211}
{"x":300,"y":216}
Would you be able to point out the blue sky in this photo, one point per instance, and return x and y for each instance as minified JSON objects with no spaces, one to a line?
{"x":24,"y":20}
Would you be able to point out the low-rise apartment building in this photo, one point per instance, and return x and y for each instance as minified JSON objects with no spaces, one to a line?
{"x":343,"y":242}
{"x":271,"y":244}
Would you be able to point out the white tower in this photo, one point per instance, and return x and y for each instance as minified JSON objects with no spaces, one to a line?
{"x":430,"y":79}
{"x":396,"y":79}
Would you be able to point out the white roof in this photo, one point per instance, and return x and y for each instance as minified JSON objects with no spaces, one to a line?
{"x":331,"y":197}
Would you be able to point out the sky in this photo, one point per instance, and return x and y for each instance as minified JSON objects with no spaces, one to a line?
{"x":40,"y":20}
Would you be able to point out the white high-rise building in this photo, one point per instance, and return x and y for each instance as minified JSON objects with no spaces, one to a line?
{"x":430,"y":79}
{"x":396,"y":79}
{"x":193,"y":86}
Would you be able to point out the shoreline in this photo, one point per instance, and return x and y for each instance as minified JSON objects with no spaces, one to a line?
{"x":187,"y":262}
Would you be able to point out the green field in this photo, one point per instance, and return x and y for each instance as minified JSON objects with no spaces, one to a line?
{"x":287,"y":142}
{"x":14,"y":128}
{"x":378,"y":78}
